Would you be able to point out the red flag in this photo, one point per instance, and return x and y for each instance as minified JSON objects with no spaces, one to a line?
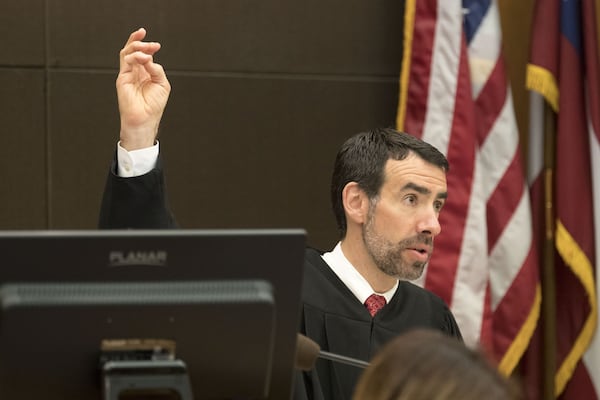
{"x":563,"y":69}
{"x":455,"y":95}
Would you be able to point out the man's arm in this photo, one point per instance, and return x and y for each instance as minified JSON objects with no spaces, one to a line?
{"x":132,"y":201}
{"x":142,"y":91}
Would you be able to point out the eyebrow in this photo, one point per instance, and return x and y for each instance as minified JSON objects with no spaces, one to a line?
{"x":423,"y":190}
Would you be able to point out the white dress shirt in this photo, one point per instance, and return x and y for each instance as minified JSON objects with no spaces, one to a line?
{"x":357,"y":284}
{"x":136,"y":162}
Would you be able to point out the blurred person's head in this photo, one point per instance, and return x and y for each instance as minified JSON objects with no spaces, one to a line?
{"x":429,"y":365}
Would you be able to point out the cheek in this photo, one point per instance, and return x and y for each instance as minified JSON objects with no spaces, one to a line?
{"x":393,"y":223}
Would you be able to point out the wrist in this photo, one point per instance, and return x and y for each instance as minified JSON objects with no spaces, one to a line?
{"x":137,"y":138}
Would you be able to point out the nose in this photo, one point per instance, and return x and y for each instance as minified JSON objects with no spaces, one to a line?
{"x":429,"y":223}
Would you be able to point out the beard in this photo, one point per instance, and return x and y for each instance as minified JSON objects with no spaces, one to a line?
{"x":388,"y":255}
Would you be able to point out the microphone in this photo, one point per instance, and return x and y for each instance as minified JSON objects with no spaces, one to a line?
{"x":307,"y":352}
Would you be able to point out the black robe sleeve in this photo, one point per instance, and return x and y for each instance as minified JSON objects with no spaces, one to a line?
{"x":138,"y":202}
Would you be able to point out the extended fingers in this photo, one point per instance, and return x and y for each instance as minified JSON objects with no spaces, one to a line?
{"x":135,"y":45}
{"x":137,"y":57}
{"x":136,"y":35}
{"x":146,"y":47}
{"x":145,"y":61}
{"x":142,"y":51}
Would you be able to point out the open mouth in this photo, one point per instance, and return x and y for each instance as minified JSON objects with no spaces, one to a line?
{"x":421,"y":253}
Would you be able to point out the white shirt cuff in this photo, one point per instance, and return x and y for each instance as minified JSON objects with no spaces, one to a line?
{"x":136,"y":162}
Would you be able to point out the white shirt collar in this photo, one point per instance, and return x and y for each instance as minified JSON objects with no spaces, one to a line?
{"x":357,"y":284}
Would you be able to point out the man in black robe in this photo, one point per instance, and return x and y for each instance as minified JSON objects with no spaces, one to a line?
{"x":388,"y":189}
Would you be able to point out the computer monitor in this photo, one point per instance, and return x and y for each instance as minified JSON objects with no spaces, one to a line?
{"x":217,"y":308}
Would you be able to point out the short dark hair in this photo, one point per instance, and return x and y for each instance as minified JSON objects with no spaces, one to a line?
{"x":362,"y":159}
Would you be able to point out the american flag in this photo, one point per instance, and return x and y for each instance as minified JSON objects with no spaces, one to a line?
{"x":564,"y":70}
{"x":455,"y":95}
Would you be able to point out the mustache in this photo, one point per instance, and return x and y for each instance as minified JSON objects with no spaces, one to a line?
{"x":416,"y":240}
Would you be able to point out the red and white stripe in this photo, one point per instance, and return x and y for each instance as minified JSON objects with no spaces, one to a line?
{"x":458,"y":99}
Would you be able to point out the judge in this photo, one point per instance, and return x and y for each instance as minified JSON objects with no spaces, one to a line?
{"x":388,"y":189}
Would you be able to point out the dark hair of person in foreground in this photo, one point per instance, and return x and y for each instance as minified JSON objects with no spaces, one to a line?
{"x":426,"y":364}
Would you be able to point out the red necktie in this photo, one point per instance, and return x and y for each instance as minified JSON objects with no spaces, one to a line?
{"x":374,"y":303}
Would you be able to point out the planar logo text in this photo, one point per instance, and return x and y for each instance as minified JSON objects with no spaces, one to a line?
{"x":137,"y":257}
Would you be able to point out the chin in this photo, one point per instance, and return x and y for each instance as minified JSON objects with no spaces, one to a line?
{"x":415,"y":273}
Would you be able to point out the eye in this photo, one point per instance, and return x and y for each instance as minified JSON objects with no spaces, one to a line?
{"x":410,"y":199}
{"x":438,"y":205}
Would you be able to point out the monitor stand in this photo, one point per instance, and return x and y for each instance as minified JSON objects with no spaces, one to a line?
{"x":143,"y":368}
{"x":164,"y":379}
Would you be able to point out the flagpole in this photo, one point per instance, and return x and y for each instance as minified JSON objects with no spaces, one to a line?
{"x":547,"y":273}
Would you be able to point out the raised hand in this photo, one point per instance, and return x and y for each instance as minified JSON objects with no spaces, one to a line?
{"x":142,"y":91}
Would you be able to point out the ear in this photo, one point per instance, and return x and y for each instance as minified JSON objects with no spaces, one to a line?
{"x":356,"y":203}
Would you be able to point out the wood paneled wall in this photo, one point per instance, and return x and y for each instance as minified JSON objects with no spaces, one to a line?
{"x":264,"y":92}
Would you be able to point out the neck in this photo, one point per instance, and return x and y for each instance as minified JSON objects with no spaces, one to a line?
{"x":355,"y":251}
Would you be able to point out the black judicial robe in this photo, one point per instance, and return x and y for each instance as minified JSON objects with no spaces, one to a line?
{"x":334,"y":318}
{"x":331,"y":315}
